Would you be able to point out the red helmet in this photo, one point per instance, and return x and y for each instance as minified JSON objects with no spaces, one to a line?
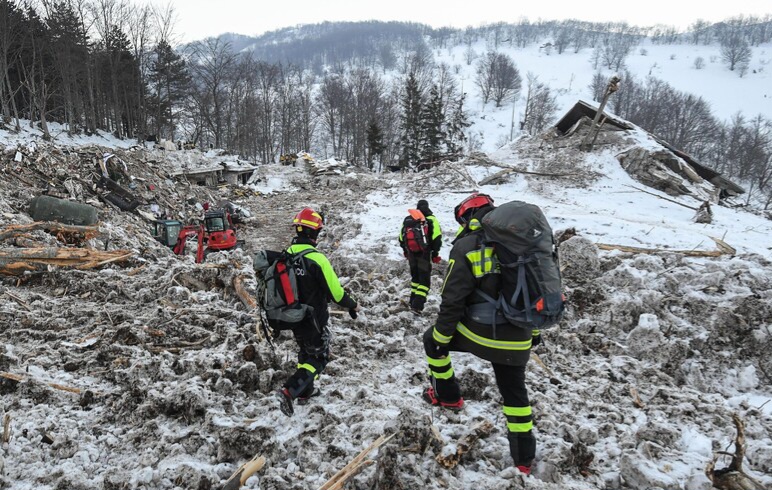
{"x":308,"y":218}
{"x":475,"y":201}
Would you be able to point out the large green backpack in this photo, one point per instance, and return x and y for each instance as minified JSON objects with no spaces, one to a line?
{"x":278,"y":289}
{"x":531,"y":288}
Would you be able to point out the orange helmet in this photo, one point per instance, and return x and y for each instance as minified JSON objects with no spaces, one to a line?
{"x":308,"y":218}
{"x":475,"y":201}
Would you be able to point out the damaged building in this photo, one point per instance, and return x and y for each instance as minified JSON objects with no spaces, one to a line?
{"x":660,"y":165}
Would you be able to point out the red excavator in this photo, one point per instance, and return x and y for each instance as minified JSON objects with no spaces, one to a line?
{"x":216,"y":234}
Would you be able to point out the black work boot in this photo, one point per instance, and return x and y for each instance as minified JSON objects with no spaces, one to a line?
{"x":305,"y":397}
{"x":285,"y":402}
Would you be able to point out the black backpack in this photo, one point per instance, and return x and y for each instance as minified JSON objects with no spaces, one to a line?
{"x":278,"y":289}
{"x":531,"y":287}
{"x":416,"y":234}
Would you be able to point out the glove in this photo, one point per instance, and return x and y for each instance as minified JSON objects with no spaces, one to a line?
{"x":436,"y":259}
{"x":535,"y":341}
{"x":352,"y":312}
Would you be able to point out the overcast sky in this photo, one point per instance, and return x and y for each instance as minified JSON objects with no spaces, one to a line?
{"x":198,"y":19}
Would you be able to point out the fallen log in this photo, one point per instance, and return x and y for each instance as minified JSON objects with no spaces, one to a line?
{"x":52,"y":227}
{"x":639,"y":250}
{"x":733,"y":477}
{"x":479,"y":431}
{"x":16,"y":261}
{"x":352,"y":468}
{"x":507,"y":171}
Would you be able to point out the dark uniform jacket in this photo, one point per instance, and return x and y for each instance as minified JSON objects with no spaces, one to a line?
{"x":470,"y":267}
{"x":317,"y":283}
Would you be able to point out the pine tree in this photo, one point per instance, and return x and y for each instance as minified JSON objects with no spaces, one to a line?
{"x":169,"y":81}
{"x":375,"y":146}
{"x":411,"y":123}
{"x":432,"y":121}
{"x":457,"y":124}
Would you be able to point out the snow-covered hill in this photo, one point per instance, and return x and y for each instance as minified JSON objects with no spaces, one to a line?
{"x":635,"y":389}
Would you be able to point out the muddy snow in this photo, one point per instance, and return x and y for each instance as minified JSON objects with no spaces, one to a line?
{"x":152,"y":375}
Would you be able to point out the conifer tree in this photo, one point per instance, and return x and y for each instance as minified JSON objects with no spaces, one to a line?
{"x":458,"y":121}
{"x":411,"y":123}
{"x":169,"y":81}
{"x":433,"y":140}
{"x":375,"y":146}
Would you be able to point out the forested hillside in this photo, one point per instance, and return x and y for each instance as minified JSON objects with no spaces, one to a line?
{"x":376,"y":94}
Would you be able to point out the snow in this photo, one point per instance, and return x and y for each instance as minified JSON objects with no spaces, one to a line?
{"x":687,"y":335}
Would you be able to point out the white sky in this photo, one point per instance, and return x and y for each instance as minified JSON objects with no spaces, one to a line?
{"x":202,"y":18}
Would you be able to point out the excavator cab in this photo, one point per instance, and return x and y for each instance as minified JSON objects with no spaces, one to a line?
{"x":220,"y":233}
{"x":167,"y":231}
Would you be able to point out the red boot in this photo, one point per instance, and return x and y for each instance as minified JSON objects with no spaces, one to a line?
{"x":526,"y":470}
{"x":430,"y":397}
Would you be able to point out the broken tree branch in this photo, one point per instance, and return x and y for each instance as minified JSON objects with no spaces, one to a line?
{"x":247,"y":299}
{"x":639,"y":250}
{"x":507,"y":171}
{"x":241,"y":475}
{"x":663,"y":198}
{"x":356,"y":464}
{"x":6,"y":429}
{"x":19,"y":378}
{"x":733,"y":477}
{"x":479,"y":431}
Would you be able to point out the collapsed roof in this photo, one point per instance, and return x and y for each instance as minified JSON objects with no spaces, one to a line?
{"x":580,"y":115}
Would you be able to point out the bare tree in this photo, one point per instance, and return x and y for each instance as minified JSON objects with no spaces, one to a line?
{"x":10,"y":32}
{"x":211,"y":61}
{"x":735,"y":51}
{"x":540,"y":106}
{"x":497,"y":78}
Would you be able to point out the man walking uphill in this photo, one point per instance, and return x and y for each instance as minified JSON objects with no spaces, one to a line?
{"x":481,"y":277}
{"x":420,"y":238}
{"x":317,"y":284}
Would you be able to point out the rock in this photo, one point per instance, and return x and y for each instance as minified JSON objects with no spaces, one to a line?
{"x":642,"y":474}
{"x":579,"y":260}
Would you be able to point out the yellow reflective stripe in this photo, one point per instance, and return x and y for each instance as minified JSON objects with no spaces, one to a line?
{"x":446,"y":375}
{"x":460,"y":229}
{"x":450,"y":270}
{"x":535,"y":332}
{"x":438,"y":362}
{"x":493,"y":344}
{"x":439,"y":338}
{"x":306,"y":222}
{"x":482,"y":261}
{"x":524,"y":427}
{"x":418,"y":292}
{"x":474,"y":224}
{"x":422,"y":287}
{"x":307,"y":367}
{"x":517,"y":411}
{"x":436,"y":231}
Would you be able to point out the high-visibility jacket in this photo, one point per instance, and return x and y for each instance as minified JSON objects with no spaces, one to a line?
{"x":317,"y":283}
{"x":435,"y":235}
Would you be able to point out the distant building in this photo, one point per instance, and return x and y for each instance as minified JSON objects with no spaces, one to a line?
{"x":223,"y":173}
